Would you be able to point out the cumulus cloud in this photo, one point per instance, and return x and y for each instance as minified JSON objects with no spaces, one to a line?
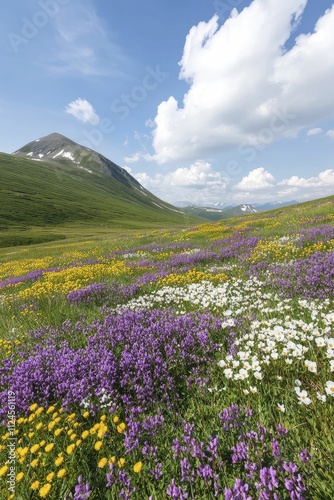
{"x":314,"y":131}
{"x":83,"y":111}
{"x":241,"y":85}
{"x":257,"y":179}
{"x":330,"y":134}
{"x":324,"y":179}
{"x":196,"y":183}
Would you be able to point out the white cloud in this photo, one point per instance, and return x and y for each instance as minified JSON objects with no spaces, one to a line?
{"x":330,"y":134}
{"x":314,"y":131}
{"x":245,"y":87}
{"x":196,"y":183}
{"x":83,"y":111}
{"x":324,"y":179}
{"x":257,"y":179}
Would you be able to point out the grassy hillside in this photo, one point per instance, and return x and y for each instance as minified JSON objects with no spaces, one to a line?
{"x":48,"y":197}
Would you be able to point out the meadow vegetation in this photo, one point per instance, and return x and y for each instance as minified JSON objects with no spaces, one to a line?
{"x":176,"y":363}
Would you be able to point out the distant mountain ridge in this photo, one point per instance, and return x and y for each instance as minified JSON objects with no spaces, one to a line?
{"x":213,"y":212}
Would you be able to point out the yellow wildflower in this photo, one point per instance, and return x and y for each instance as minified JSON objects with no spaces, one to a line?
{"x":58,"y":431}
{"x":19,"y":476}
{"x":85,"y":414}
{"x":4,"y":470}
{"x":85,"y":434}
{"x":35,"y":485}
{"x":121,"y":462}
{"x":34,"y":448}
{"x":45,"y":490}
{"x":49,"y":447}
{"x":59,"y":461}
{"x":98,"y":445}
{"x":121,"y":427}
{"x":102,"y":463}
{"x":61,"y":473}
{"x":70,"y":449}
{"x":33,"y":407}
{"x":50,"y":476}
{"x":115,"y":420}
{"x":34,"y":463}
{"x":50,"y":409}
{"x":39,"y":411}
{"x":138,"y":467}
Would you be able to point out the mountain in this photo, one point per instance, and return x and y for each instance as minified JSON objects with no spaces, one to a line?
{"x":219,"y":211}
{"x":54,"y":182}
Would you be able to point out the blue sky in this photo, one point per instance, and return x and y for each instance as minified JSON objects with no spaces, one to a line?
{"x":208,"y":101}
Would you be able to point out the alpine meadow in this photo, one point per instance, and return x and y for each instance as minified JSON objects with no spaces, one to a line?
{"x":167,"y":250}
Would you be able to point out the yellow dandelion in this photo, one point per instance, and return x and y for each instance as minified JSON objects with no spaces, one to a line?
{"x":35,"y":485}
{"x":49,"y":447}
{"x":70,"y":449}
{"x":34,"y":448}
{"x":42,"y":443}
{"x":121,"y":427}
{"x":31,"y":434}
{"x":115,"y":420}
{"x":33,"y":407}
{"x":34,"y":463}
{"x":85,"y":414}
{"x":39,"y":426}
{"x":50,"y":409}
{"x":59,"y":461}
{"x":78,"y":443}
{"x":103,"y":418}
{"x":73,"y":436}
{"x":39,"y":411}
{"x":85,"y":434}
{"x":102,"y":463}
{"x":45,"y":490}
{"x":138,"y":467}
{"x":58,"y":431}
{"x":98,"y":445}
{"x":61,"y":473}
{"x":121,"y":462}
{"x":51,"y":425}
{"x":19,"y":476}
{"x":112,"y":460}
{"x":4,"y":470}
{"x":50,"y":476}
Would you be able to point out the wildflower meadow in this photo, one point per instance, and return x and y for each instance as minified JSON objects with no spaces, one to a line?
{"x":193,"y":363}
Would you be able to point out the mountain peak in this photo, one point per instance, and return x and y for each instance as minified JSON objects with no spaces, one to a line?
{"x":60,"y":151}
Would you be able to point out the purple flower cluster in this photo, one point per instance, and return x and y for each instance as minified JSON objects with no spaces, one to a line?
{"x":103,"y":293}
{"x":137,"y":359}
{"x":82,"y":491}
{"x":312,"y":277}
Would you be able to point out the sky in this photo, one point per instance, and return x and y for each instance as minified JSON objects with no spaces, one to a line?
{"x":206,"y":101}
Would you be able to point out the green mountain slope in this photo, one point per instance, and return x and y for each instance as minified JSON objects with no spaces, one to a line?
{"x":79,"y":186}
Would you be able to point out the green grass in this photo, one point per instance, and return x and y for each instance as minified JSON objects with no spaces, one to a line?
{"x":44,"y":197}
